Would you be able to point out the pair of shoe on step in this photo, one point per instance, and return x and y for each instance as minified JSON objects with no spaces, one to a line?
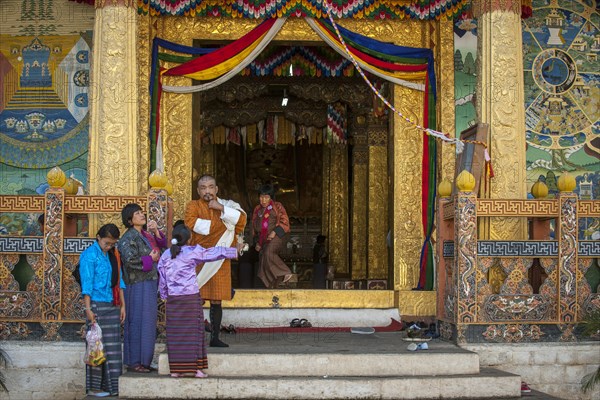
{"x":300,"y":323}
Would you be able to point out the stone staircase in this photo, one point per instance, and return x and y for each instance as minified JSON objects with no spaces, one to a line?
{"x":328,"y":365}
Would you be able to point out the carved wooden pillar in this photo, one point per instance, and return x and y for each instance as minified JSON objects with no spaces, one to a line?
{"x":465,"y":272}
{"x":500,"y":103}
{"x":378,"y":198}
{"x":52,"y":262}
{"x":567,"y":257}
{"x":360,"y":198}
{"x":445,"y":232}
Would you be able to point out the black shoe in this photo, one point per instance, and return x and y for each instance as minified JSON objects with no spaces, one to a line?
{"x":218,"y":343}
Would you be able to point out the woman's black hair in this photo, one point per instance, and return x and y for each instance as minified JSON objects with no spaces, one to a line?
{"x":182,"y":234}
{"x":127,"y":213}
{"x":108,"y":231}
{"x":267,"y":189}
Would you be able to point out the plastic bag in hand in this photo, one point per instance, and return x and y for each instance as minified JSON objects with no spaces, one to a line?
{"x":94,"y":354}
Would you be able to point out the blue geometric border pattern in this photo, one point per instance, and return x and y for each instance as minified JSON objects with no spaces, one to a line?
{"x":589,"y":248}
{"x":526,"y":248}
{"x":25,"y":245}
{"x":77,"y":245}
{"x":20,"y":244}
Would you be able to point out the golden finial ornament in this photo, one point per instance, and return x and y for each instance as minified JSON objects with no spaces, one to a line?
{"x":566,"y":182}
{"x":465,"y":181}
{"x":445,"y":188}
{"x":539,"y":190}
{"x":71,"y":186}
{"x":169,"y":188}
{"x":157,"y":179}
{"x":56,"y":177}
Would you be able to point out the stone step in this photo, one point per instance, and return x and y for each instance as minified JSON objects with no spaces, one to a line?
{"x":488,"y":384}
{"x":330,"y":364}
{"x":296,"y":354}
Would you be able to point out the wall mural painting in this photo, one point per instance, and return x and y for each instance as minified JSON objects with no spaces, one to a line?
{"x":44,"y":84}
{"x":465,"y":73}
{"x":561,"y":61}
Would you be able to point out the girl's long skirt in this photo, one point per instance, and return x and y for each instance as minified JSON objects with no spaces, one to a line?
{"x":140,"y":323}
{"x":105,"y":377}
{"x":185,"y":334}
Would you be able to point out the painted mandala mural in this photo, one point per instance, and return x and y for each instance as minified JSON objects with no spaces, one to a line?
{"x":45,"y":60}
{"x":561,"y":58}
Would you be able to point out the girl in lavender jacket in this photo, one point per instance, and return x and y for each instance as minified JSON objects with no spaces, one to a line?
{"x":185,"y":317}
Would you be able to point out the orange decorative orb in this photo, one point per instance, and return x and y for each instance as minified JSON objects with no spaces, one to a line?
{"x":465,"y":181}
{"x":445,"y":188}
{"x":169,"y":188}
{"x":56,"y":177}
{"x":539,"y":190}
{"x":71,"y":186}
{"x":157,"y":179}
{"x":566,"y":182}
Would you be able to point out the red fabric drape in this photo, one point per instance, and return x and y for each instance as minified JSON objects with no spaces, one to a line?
{"x":224,"y":53}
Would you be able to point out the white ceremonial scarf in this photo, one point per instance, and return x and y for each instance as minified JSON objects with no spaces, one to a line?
{"x":212,"y":267}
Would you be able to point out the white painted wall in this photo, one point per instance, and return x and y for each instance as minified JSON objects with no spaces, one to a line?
{"x":552,"y":368}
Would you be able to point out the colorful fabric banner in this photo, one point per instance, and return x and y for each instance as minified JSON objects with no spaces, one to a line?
{"x":337,"y":123}
{"x":260,"y":9}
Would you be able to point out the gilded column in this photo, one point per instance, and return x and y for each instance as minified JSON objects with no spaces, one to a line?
{"x":500,"y":103}
{"x":360,"y":199}
{"x":378,"y":199}
{"x":115,"y":158}
{"x":176,"y":116}
{"x":338,"y":207}
{"x":145,"y":34}
{"x":406,"y":192}
{"x":444,"y":54}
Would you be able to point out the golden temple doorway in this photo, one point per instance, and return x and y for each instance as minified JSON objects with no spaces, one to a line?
{"x":386,"y":160}
{"x":246,"y":134}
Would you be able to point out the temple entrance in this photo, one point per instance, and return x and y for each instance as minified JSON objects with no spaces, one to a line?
{"x":309,"y":137}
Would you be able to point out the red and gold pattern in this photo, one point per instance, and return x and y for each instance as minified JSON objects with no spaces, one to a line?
{"x":72,"y":204}
{"x":516,"y":208}
{"x":588,"y":208}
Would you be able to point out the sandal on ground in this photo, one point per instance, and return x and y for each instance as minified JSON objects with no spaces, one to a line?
{"x":176,"y":375}
{"x":140,"y":369}
{"x":229,"y":329}
{"x":305,"y":324}
{"x":200,"y":374}
{"x":295,"y":323}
